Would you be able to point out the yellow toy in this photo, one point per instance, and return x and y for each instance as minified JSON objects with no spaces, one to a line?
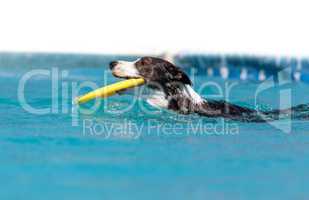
{"x":110,"y":89}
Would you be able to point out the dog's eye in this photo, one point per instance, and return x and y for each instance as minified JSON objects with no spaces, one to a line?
{"x":139,"y":63}
{"x":146,"y":61}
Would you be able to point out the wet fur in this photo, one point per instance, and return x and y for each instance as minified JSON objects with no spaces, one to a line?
{"x":176,"y":93}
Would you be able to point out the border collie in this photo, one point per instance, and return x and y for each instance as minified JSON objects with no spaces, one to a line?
{"x":173,"y":90}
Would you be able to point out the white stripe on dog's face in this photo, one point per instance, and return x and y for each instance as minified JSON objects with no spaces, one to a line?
{"x":125,"y":69}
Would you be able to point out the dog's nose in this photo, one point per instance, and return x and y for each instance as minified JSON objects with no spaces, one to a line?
{"x":112,"y":64}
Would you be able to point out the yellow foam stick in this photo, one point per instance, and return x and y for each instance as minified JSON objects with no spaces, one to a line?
{"x":110,"y":89}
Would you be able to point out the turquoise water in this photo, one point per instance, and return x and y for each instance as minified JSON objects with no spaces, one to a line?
{"x":46,"y":157}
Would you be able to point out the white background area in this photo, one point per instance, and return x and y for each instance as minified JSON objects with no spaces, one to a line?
{"x":96,"y":26}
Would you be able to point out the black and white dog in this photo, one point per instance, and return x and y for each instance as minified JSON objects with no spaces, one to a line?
{"x":173,"y":90}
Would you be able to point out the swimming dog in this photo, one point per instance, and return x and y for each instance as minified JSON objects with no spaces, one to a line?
{"x":173,"y":90}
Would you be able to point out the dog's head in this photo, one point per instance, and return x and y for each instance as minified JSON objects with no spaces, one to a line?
{"x":171,"y":85}
{"x":151,"y":69}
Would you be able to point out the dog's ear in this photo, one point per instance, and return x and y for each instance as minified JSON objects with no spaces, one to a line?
{"x":182,"y":77}
{"x":176,"y":74}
